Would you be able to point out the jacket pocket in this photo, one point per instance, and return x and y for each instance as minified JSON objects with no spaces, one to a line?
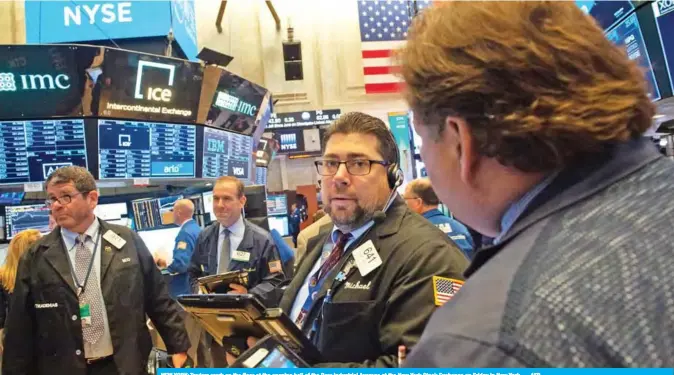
{"x":348,"y":332}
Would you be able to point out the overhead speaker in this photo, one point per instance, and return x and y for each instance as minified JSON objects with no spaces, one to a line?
{"x":210,"y":56}
{"x":292,"y":60}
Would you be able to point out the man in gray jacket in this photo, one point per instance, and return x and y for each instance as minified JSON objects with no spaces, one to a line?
{"x":532,"y":131}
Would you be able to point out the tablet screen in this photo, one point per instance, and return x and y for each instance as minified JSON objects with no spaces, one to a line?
{"x":276,"y":359}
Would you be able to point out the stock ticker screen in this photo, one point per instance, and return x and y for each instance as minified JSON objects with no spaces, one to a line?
{"x":31,"y":150}
{"x":627,"y":34}
{"x":664,"y":17}
{"x":226,"y":154}
{"x":135,"y":149}
{"x":19,"y":218}
{"x":607,"y":13}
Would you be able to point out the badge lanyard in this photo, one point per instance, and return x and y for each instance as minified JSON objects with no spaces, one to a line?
{"x":80,"y":287}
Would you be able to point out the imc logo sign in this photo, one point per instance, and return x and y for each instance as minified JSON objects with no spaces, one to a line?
{"x":149,"y":85}
{"x":234,"y":104}
{"x":26,"y":82}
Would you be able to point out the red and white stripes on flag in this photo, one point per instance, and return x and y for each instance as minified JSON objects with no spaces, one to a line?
{"x":379,"y":66}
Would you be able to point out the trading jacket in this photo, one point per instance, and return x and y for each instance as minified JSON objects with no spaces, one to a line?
{"x":43,"y":328}
{"x":582,"y":279}
{"x":265,"y":262}
{"x":368,"y":317}
{"x":456,"y":231}
{"x":186,"y":240}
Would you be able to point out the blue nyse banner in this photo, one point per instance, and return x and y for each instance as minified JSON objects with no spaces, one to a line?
{"x":77,"y":21}
{"x":185,"y":26}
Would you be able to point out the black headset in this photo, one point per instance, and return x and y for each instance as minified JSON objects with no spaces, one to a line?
{"x":394,"y":174}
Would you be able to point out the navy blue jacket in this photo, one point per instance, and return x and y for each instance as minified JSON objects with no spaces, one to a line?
{"x":456,"y":231}
{"x":186,"y":241}
{"x":265,"y":262}
{"x":582,"y":279}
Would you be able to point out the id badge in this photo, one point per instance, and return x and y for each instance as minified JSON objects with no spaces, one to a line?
{"x":85,"y":314}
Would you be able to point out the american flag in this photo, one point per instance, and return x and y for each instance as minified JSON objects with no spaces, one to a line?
{"x":444,"y":289}
{"x":383,"y":29}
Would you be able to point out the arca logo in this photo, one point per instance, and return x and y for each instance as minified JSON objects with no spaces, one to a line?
{"x":154,"y":93}
{"x":8,"y":82}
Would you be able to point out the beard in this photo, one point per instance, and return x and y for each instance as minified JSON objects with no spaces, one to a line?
{"x":346,"y":220}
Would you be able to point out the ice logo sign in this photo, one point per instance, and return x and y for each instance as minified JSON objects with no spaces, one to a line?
{"x":124,"y":140}
{"x":154,"y":93}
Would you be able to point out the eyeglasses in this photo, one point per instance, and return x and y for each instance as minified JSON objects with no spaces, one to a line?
{"x":63,"y":200}
{"x":355,"y":167}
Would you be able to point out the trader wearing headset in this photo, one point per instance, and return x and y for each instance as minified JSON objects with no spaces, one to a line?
{"x":366,"y":284}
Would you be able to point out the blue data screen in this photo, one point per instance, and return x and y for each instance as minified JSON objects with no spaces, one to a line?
{"x":31,"y":150}
{"x":136,"y":149}
{"x":607,"y":13}
{"x":20,"y":218}
{"x":628,"y":35}
{"x":226,"y":154}
{"x":664,"y":17}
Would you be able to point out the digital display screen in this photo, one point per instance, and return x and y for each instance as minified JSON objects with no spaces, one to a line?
{"x":627,"y":34}
{"x":111,"y":211}
{"x":280,"y":223}
{"x":277,"y":204}
{"x":133,"y":149}
{"x":38,"y":81}
{"x":226,"y":154}
{"x":276,"y":359}
{"x":260,"y":176}
{"x":303,"y":119}
{"x":291,"y":140}
{"x":11,"y":197}
{"x":156,"y":88}
{"x":208,"y":204}
{"x":154,"y":213}
{"x":235,"y":104}
{"x":607,"y":13}
{"x":664,"y":17}
{"x":31,"y":150}
{"x":20,"y":218}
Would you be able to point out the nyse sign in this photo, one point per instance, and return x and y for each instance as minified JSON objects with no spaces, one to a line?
{"x":106,"y":13}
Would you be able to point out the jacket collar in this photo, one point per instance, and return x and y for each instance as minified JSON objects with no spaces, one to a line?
{"x":573,"y":185}
{"x":432,"y":213}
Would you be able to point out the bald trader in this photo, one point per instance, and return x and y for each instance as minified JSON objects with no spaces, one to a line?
{"x":183,"y":211}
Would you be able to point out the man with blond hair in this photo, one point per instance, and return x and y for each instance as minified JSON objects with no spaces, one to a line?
{"x":532,"y":128}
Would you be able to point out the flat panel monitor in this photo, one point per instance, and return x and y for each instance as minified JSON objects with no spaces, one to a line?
{"x":208,"y":204}
{"x":607,"y":13}
{"x":111,"y":211}
{"x":303,"y":119}
{"x":290,"y":140}
{"x":20,"y":218}
{"x":31,"y":150}
{"x":137,"y":149}
{"x":156,"y":213}
{"x":226,"y":154}
{"x":256,"y":196}
{"x":628,"y":34}
{"x":11,"y":198}
{"x":280,"y":223}
{"x":261,"y":176}
{"x":664,"y":16}
{"x":149,"y":87}
{"x":160,"y":240}
{"x":277,"y":204}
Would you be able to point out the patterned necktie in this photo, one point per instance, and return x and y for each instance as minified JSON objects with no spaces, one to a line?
{"x":92,"y":291}
{"x":335,"y":255}
{"x":225,"y":252}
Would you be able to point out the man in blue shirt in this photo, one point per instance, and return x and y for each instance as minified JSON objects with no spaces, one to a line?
{"x":186,"y":240}
{"x":421,"y":199}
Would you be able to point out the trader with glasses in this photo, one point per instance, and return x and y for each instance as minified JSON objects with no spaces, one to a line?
{"x":366,"y":284}
{"x":82,"y":294}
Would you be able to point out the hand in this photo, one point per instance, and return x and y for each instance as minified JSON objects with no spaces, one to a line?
{"x":237,"y":289}
{"x":179,"y":359}
{"x":250,"y":341}
{"x":161,"y":262}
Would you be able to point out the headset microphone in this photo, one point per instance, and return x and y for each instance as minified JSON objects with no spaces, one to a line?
{"x":379,"y":217}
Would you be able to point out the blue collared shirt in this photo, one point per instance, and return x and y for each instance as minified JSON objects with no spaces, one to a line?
{"x":303,"y":293}
{"x":103,"y":347}
{"x":517,"y":208}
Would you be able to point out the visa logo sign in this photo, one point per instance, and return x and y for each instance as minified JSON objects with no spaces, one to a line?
{"x":105,"y":12}
{"x":238,"y":171}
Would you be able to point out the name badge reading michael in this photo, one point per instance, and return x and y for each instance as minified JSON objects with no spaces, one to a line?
{"x":367,"y":258}
{"x":241,"y":256}
{"x":114,"y":239}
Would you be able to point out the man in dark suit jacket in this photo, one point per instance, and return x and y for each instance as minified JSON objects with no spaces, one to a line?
{"x":232,"y":243}
{"x":63,"y":319}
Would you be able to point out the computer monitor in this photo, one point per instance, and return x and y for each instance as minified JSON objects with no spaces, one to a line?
{"x":111,"y":211}
{"x":154,"y":213}
{"x":19,"y":218}
{"x":256,"y":197}
{"x":208,"y":204}
{"x":277,"y":204}
{"x":160,"y":240}
{"x":11,"y":198}
{"x":280,"y":223}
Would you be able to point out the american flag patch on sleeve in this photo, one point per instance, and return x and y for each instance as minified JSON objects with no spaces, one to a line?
{"x":444,"y":289}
